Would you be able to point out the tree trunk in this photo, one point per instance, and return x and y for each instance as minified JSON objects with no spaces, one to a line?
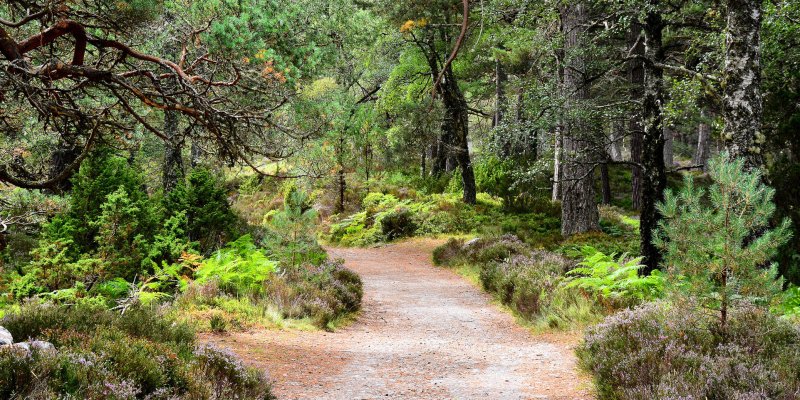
{"x":500,"y":103}
{"x":342,"y":189}
{"x":578,"y":208}
{"x":60,"y":159}
{"x":702,"y":152}
{"x":742,"y":100}
{"x":605,"y":183}
{"x":173,"y":161}
{"x":423,"y":162}
{"x":669,"y":155}
{"x":456,"y":124}
{"x":615,"y":141}
{"x":557,"y":146}
{"x":194,"y":159}
{"x":636,"y":80}
{"x":654,"y":178}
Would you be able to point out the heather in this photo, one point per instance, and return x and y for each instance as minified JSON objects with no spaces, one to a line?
{"x":101,"y":354}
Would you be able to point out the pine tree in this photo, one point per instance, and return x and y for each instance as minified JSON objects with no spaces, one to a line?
{"x":710,"y":254}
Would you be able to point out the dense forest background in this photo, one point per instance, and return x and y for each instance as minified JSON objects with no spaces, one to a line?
{"x":187,"y":161}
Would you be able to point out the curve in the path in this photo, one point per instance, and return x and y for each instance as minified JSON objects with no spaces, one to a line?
{"x":424,"y":333}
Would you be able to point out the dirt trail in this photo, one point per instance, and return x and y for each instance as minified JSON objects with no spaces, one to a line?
{"x":424,"y":333}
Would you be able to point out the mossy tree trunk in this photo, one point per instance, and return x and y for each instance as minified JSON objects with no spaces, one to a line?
{"x":654,"y":177}
{"x":742,"y":99}
{"x":578,"y":208}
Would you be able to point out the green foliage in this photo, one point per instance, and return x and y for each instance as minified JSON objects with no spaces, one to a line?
{"x":603,"y":242}
{"x":218,"y":324}
{"x":97,"y":180}
{"x":118,"y":234}
{"x":397,"y":224}
{"x":203,"y":200}
{"x":290,"y":233}
{"x":424,"y":215}
{"x":789,"y":302}
{"x":614,"y":282}
{"x":709,"y":250}
{"x":240,"y":268}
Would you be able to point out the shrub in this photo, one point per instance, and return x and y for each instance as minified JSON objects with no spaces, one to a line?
{"x":446,"y":253}
{"x":397,"y":224}
{"x":291,"y":230}
{"x":218,"y":323}
{"x":323,"y":293}
{"x":104,"y":355}
{"x":98,"y":177}
{"x":488,"y":250}
{"x":661,"y":351}
{"x":202,"y":198}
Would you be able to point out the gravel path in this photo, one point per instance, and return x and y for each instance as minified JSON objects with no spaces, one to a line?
{"x":424,"y":333}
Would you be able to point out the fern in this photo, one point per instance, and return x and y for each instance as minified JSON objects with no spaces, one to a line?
{"x":614,"y":281}
{"x":240,"y":268}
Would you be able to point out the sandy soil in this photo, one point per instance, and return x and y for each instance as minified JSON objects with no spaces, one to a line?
{"x":424,"y":333}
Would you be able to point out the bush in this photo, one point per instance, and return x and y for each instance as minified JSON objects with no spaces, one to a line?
{"x":324,"y":293}
{"x":202,"y":198}
{"x":659,"y":351}
{"x":291,"y":230}
{"x":397,"y":224}
{"x":525,"y":282}
{"x":446,"y":253}
{"x":531,"y":282}
{"x":104,"y":355}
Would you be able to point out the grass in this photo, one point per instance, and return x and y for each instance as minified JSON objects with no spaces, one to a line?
{"x":238,"y":313}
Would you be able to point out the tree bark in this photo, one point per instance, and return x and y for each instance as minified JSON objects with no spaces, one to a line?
{"x":669,"y":154}
{"x":615,"y":141}
{"x":456,"y":124}
{"x":605,"y":183}
{"x":173,"y":161}
{"x":557,"y":175}
{"x":742,"y":99}
{"x":60,"y":159}
{"x":636,"y":80}
{"x":500,"y":101}
{"x":196,"y":152}
{"x":578,"y":208}
{"x":654,"y":178}
{"x":702,"y":152}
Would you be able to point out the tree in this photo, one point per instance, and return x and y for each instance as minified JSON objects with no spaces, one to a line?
{"x":705,"y":251}
{"x":654,"y":177}
{"x":427,"y":27}
{"x":68,"y":73}
{"x":578,"y":208}
{"x":742,"y":103}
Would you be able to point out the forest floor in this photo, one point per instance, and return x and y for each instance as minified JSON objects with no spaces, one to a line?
{"x":423,"y":333}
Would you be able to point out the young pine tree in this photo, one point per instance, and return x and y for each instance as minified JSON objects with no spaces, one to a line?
{"x":718,"y":243}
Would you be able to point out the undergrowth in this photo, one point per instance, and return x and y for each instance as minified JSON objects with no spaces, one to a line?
{"x":102,"y":354}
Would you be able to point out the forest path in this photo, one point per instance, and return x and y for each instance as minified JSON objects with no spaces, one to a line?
{"x":424,"y":333}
